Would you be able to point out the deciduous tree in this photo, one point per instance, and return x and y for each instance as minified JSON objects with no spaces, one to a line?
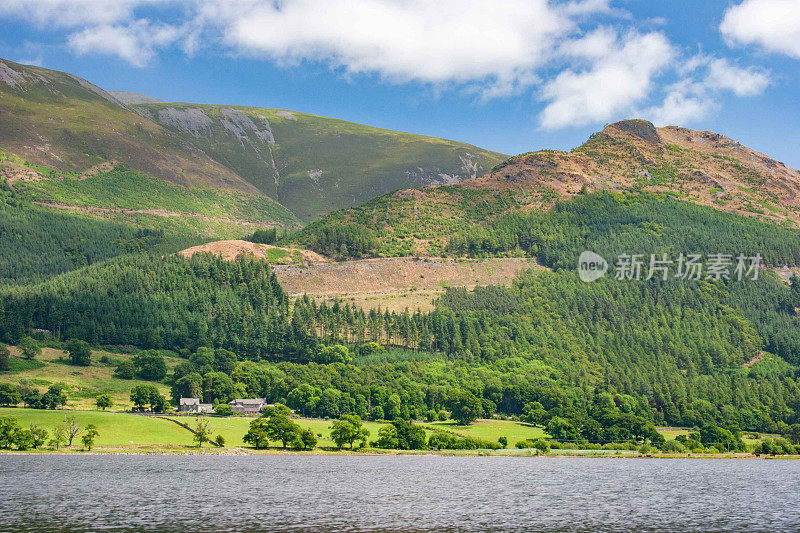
{"x":88,"y":437}
{"x":79,"y":352}
{"x":28,"y":348}
{"x":104,"y":401}
{"x":348,"y":430}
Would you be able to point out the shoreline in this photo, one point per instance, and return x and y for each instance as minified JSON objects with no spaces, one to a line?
{"x":238,"y":451}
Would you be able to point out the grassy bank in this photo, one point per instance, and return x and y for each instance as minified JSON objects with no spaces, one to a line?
{"x":115,"y":429}
{"x":126,"y":433}
{"x":124,"y":429}
{"x":83,"y":383}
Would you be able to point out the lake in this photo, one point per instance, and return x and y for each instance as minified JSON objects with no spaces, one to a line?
{"x":42,"y":493}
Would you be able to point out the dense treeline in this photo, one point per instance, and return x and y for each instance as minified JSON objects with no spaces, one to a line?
{"x":156,"y":302}
{"x":614,"y":224}
{"x":679,"y":347}
{"x":770,"y":305}
{"x":340,"y":239}
{"x":676,"y":348}
{"x":268,"y":235}
{"x":36,"y":243}
{"x":550,"y":348}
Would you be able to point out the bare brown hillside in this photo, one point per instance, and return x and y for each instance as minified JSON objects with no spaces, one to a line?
{"x":396,"y":283}
{"x":231,"y":249}
{"x":387,"y":283}
{"x":697,"y":166}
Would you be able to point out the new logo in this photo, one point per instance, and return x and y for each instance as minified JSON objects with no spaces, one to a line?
{"x":591,"y":266}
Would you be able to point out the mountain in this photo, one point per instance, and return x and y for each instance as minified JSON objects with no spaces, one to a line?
{"x":63,"y":122}
{"x":309,"y":164}
{"x":630,"y":157}
{"x":313,"y":164}
{"x":100,"y":190}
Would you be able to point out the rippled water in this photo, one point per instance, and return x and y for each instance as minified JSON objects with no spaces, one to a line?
{"x":419,"y":493}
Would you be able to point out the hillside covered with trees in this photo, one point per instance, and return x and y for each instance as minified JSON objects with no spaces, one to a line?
{"x":675,"y":352}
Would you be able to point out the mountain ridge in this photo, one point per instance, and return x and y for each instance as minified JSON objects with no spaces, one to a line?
{"x":631,"y":156}
{"x":311,"y":164}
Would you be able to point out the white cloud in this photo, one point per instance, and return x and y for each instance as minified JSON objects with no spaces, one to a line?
{"x":500,"y":42}
{"x":771,"y":24}
{"x":37,"y":61}
{"x":742,"y":81}
{"x":72,"y":13}
{"x":685,"y":102}
{"x":99,"y":26}
{"x":566,"y":51}
{"x":593,"y":45}
{"x":616,"y":80}
{"x":135,"y":42}
{"x":696,"y":94}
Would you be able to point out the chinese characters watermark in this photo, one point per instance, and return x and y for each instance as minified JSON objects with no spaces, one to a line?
{"x":592,"y":266}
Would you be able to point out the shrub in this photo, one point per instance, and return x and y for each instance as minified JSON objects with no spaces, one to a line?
{"x":673,"y":446}
{"x":150,"y":365}
{"x":441,"y":440}
{"x":9,"y":395}
{"x":223,"y":409}
{"x":646,"y":449}
{"x":542,"y":445}
{"x":28,"y":348}
{"x":778,"y":446}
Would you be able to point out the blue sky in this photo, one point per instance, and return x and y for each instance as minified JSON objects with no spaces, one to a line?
{"x":509,"y":75}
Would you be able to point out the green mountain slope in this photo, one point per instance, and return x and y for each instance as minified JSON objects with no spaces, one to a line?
{"x":631,"y":156}
{"x":310,"y":164}
{"x":686,"y":352}
{"x":313,"y":164}
{"x":40,"y":236}
{"x":64,"y":122}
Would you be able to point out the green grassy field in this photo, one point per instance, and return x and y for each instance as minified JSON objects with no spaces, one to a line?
{"x":124,"y":429}
{"x":83,"y":383}
{"x":233,"y":429}
{"x":125,"y":432}
{"x":116,"y":429}
{"x":492,"y":430}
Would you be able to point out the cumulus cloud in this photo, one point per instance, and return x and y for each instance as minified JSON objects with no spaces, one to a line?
{"x":684,"y":102}
{"x":742,"y":81}
{"x":99,"y":26}
{"x":448,"y":41}
{"x":703,"y":79}
{"x":773,"y":25}
{"x":579,"y":57}
{"x":135,"y":42}
{"x":617,"y":79}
